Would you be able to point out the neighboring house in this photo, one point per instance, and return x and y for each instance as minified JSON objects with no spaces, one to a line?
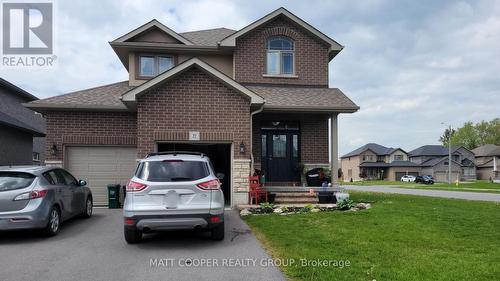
{"x":487,"y":161}
{"x":434,"y":161}
{"x":22,"y":130}
{"x":374,"y":161}
{"x":257,"y":97}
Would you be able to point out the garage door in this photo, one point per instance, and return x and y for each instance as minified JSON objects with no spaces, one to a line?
{"x":399,"y":175}
{"x":100,"y":166}
{"x":443,"y":177}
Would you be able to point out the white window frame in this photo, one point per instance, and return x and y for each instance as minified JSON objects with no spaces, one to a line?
{"x":280,"y":57}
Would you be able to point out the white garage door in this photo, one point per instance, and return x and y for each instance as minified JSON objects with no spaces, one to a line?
{"x":100,"y":166}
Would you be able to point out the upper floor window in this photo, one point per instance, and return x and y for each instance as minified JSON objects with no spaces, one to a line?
{"x":398,"y":157}
{"x":280,"y":55}
{"x":150,"y":65}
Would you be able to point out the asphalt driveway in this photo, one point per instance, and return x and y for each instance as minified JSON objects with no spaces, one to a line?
{"x":94,"y":249}
{"x":478,"y":196}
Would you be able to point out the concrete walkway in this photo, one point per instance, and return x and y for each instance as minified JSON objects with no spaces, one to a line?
{"x":432,"y":193}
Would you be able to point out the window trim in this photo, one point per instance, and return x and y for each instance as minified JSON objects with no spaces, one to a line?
{"x":155,"y":57}
{"x":280,"y":52}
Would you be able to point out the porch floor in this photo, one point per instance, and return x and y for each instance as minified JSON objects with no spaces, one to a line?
{"x":274,"y":189}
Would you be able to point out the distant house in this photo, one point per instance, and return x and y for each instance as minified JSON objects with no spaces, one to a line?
{"x":487,"y":160}
{"x":374,"y":161}
{"x":433,"y":159}
{"x":22,"y":130}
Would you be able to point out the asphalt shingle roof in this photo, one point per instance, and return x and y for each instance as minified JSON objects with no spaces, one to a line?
{"x":107,"y":95}
{"x":301,"y":97}
{"x":431,"y":150}
{"x":209,"y":37}
{"x":487,"y":150}
{"x":376,"y":148}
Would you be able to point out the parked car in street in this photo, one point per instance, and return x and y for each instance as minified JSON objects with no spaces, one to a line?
{"x":408,"y":178}
{"x":424,"y":179}
{"x":37,"y":197}
{"x":172,"y":191}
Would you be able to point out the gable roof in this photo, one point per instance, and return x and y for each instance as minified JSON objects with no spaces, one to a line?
{"x":376,"y":148}
{"x":335,"y":47}
{"x":207,"y":37}
{"x":307,"y":99}
{"x":130,"y":96}
{"x":105,"y":97}
{"x":6,"y":84}
{"x":432,"y":150}
{"x":10,"y":121}
{"x":147,"y":26}
{"x":487,"y":150}
{"x":437,"y":160}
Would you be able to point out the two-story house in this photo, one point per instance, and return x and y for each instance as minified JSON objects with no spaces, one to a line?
{"x":374,"y":161}
{"x":257,"y":97}
{"x":434,"y":161}
{"x":22,"y":130}
{"x":487,"y":160}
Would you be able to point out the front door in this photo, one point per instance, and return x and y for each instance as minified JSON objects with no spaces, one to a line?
{"x":280,"y":155}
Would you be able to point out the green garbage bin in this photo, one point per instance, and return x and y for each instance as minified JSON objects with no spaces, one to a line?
{"x":113,"y":196}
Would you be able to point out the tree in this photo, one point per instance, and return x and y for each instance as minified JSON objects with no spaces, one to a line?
{"x":472,"y":135}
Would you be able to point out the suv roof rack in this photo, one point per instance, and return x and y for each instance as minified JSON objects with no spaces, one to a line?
{"x":174,"y":153}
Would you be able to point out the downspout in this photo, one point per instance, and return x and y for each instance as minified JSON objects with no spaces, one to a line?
{"x":259,"y":110}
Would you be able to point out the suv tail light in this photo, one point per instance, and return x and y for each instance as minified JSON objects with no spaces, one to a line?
{"x":209,"y":185}
{"x":133,"y":186}
{"x":37,"y":193}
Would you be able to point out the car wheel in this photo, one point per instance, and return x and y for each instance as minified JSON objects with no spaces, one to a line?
{"x":132,"y":236}
{"x":88,"y":208}
{"x":53,"y":223}
{"x":217,"y":233}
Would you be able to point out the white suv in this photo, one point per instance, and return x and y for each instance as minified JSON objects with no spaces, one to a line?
{"x":173,"y":190}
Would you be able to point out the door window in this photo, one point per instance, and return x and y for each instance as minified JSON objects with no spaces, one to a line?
{"x":279,"y":146}
{"x":295,"y":146}
{"x":264,"y":146}
{"x":65,"y":178}
{"x":51,"y":177}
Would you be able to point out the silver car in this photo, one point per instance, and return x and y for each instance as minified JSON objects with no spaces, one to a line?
{"x":172,"y":191}
{"x":36,"y":197}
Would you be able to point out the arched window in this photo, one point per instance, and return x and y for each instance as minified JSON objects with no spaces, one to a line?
{"x":280,"y":55}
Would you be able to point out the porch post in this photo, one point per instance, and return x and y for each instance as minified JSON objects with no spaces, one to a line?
{"x":334,"y":144}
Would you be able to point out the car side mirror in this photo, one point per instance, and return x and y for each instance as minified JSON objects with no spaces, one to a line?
{"x":82,"y":183}
{"x":220,"y":176}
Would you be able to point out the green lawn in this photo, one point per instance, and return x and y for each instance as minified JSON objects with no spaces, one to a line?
{"x":401,"y":238}
{"x":476,"y":186}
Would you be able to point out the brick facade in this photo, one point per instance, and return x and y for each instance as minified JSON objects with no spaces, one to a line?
{"x":193,"y":101}
{"x":91,"y":128}
{"x":311,"y":56}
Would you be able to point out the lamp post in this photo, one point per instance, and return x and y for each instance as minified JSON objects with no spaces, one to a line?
{"x":449,"y":153}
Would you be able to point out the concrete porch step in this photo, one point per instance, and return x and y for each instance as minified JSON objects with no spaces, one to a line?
{"x":296,"y":200}
{"x":294,"y":194}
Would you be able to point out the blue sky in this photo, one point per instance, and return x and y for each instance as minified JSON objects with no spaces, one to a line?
{"x":410,"y":65}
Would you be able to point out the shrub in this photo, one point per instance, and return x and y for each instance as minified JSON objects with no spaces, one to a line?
{"x":345,"y":204}
{"x":307,"y":208}
{"x":267,"y":207}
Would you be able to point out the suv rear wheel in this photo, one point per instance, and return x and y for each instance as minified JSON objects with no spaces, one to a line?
{"x":218,"y":232}
{"x":132,"y":235}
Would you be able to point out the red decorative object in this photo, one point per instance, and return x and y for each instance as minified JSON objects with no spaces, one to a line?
{"x":256,"y":192}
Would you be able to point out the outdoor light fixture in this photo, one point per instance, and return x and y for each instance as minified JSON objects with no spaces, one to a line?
{"x":242,"y":148}
{"x":53,"y":150}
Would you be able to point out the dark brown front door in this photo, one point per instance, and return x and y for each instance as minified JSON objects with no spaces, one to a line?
{"x":280,"y":155}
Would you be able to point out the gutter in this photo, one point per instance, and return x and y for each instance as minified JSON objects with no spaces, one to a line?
{"x":259,"y":110}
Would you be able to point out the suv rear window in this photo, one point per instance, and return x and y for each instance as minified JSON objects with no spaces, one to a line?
{"x":172,"y":170}
{"x":15,"y":180}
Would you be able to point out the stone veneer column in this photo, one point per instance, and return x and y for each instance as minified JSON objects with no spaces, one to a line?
{"x":241,"y":171}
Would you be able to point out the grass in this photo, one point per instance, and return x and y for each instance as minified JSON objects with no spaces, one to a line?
{"x":476,"y":186}
{"x":401,"y":237}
